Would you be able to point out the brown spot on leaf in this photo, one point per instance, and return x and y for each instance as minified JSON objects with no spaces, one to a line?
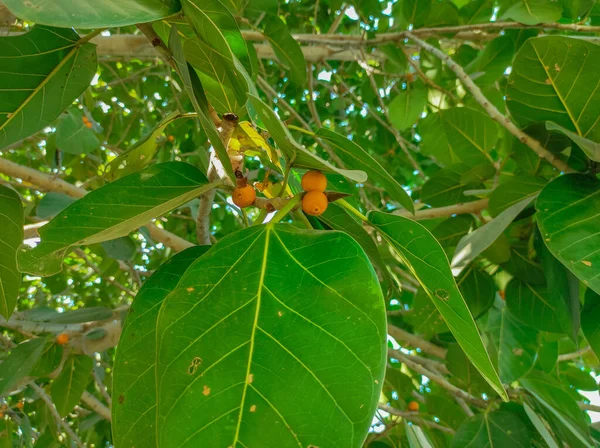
{"x":587,"y":263}
{"x":190,"y":289}
{"x":376,"y":381}
{"x":517,"y":351}
{"x":548,"y":81}
{"x":253,"y":408}
{"x":194,"y":365}
{"x":206,"y":391}
{"x":121,"y":399}
{"x":442,"y":294}
{"x":556,"y":67}
{"x":279,"y":313}
{"x":250,"y":378}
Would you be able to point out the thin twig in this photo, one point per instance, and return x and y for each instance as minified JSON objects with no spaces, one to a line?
{"x":338,"y":20}
{"x":44,"y":396}
{"x":414,"y":416}
{"x":412,"y":340}
{"x":588,"y":406}
{"x":450,"y":210}
{"x":574,"y":355}
{"x":311,"y":101}
{"x":426,"y":79}
{"x":98,"y":271}
{"x":492,"y":111}
{"x":96,"y":405}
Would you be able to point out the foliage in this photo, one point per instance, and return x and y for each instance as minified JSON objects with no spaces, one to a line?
{"x":455,"y":267}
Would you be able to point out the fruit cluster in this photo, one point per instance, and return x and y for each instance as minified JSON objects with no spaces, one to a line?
{"x":88,"y":124}
{"x":314,"y":201}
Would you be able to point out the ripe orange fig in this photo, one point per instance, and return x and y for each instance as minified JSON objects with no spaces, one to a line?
{"x":171,"y":138}
{"x":314,"y":203}
{"x":314,"y":180}
{"x":62,"y":339}
{"x":243,"y":196}
{"x":413,"y":406}
{"x":20,"y":405}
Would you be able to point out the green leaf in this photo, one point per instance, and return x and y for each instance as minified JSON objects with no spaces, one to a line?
{"x":19,"y":362}
{"x":43,"y":71}
{"x":96,"y":14}
{"x":464,"y":374}
{"x":516,"y":344}
{"x":292,"y":151}
{"x":542,"y":426}
{"x":513,"y":191}
{"x":49,"y":361}
{"x":113,"y":211}
{"x":122,"y":248}
{"x":590,"y":148}
{"x":590,"y":316}
{"x":473,"y":244}
{"x":549,"y":393}
{"x":427,"y":261}
{"x":424,"y":317}
{"x":136,"y":354}
{"x":415,"y":12}
{"x":356,"y":157}
{"x":73,"y":136}
{"x":416,"y":437}
{"x":68,"y":387}
{"x":447,"y":186}
{"x":478,"y":290}
{"x":568,"y":220}
{"x":139,"y":155}
{"x":199,"y":103}
{"x":531,"y":304}
{"x":450,"y":231}
{"x":286,"y":49}
{"x":233,"y":338}
{"x":532,"y":12}
{"x":457,"y":135}
{"x":492,"y":61}
{"x":52,"y":204}
{"x":574,"y":9}
{"x":406,"y":107}
{"x":498,"y":428}
{"x":11,"y":237}
{"x":554,"y":79}
{"x":81,"y":315}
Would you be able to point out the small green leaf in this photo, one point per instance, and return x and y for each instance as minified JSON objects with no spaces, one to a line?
{"x":11,"y":237}
{"x":478,"y":289}
{"x":415,"y":12}
{"x":542,"y":426}
{"x":49,"y":360}
{"x":457,"y":135}
{"x":292,"y":151}
{"x":356,"y":157}
{"x":81,"y":315}
{"x":286,"y":49}
{"x":473,"y":244}
{"x":96,"y":14}
{"x":554,"y":78}
{"x":567,"y":215}
{"x":52,"y":204}
{"x":450,"y":231}
{"x":492,"y":61}
{"x":513,"y":191}
{"x":590,"y":148}
{"x":406,"y":107}
{"x":498,"y":428}
{"x":447,"y":187}
{"x":531,"y":304}
{"x":427,"y":261}
{"x":532,"y":12}
{"x":424,"y":317}
{"x":73,"y":136}
{"x":44,"y":71}
{"x":113,"y":211}
{"x":139,"y":155}
{"x":416,"y":437}
{"x":68,"y":387}
{"x":575,"y":9}
{"x":19,"y":362}
{"x":590,"y":316}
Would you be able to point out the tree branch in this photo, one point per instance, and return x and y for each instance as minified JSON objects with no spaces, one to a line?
{"x":46,"y":182}
{"x":450,"y":210}
{"x":574,"y":355}
{"x":494,"y":113}
{"x":96,"y":405}
{"x":414,"y":416}
{"x":415,"y":341}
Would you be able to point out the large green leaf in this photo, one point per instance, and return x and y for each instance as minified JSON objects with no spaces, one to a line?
{"x":498,"y":428}
{"x":590,"y":148}
{"x":415,"y":12}
{"x":492,"y":61}
{"x":447,"y":186}
{"x":134,"y":367}
{"x":590,"y":316}
{"x":11,"y":237}
{"x":424,"y":317}
{"x":474,"y":243}
{"x":43,"y":71}
{"x":531,"y":304}
{"x":356,"y":157}
{"x":234,"y":337}
{"x":96,"y":14}
{"x":532,"y":12}
{"x":568,"y":220}
{"x":424,"y":256}
{"x":286,"y":49}
{"x":549,"y":393}
{"x":141,"y":154}
{"x":198,"y":99}
{"x":292,"y":151}
{"x":478,"y":290}
{"x":68,"y":387}
{"x":19,"y":362}
{"x":516,"y":344}
{"x":542,"y":426}
{"x":113,"y":211}
{"x":554,"y":79}
{"x":457,"y":135}
{"x":406,"y":107}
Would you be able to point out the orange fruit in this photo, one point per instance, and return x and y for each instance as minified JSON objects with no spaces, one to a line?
{"x":89,"y":125}
{"x":243,"y":196}
{"x":20,"y":405}
{"x":314,"y":203}
{"x":62,"y":339}
{"x":413,"y":406}
{"x":171,"y":138}
{"x":314,"y":180}
{"x":502,"y":295}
